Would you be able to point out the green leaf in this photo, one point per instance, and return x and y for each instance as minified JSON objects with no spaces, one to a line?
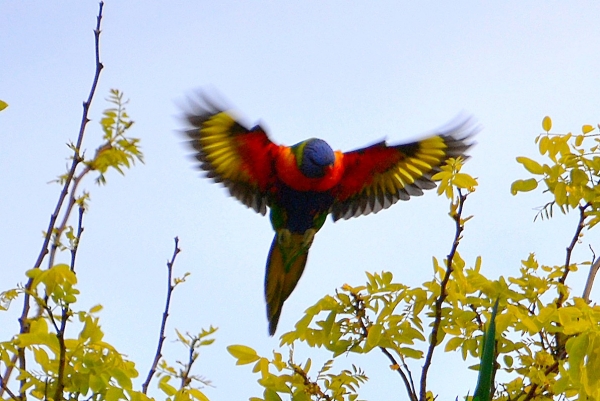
{"x":488,"y":360}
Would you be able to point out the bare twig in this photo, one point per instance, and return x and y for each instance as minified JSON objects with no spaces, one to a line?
{"x":408,"y":383}
{"x":23,"y":319}
{"x":4,"y":387}
{"x":161,"y":338}
{"x":78,"y":237}
{"x":185,"y":374}
{"x":459,"y":227}
{"x":580,"y":226}
{"x":60,"y":229}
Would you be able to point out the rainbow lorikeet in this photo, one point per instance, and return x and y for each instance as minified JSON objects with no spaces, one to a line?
{"x":303,"y":183}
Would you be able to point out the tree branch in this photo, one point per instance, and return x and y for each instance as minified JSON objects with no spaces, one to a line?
{"x":185,"y":374}
{"x":559,"y":349}
{"x":359,"y":309}
{"x":580,"y":226}
{"x":78,"y":237}
{"x":459,"y":227}
{"x":161,"y":338}
{"x":60,"y":229}
{"x":23,"y":319}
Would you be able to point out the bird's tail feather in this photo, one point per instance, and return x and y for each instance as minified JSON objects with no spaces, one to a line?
{"x":284,"y":268}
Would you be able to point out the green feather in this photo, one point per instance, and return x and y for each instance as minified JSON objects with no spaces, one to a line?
{"x":298,"y":151}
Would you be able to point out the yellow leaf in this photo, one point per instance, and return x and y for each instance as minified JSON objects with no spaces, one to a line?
{"x":243,"y":354}
{"x":463,"y":180}
{"x":197,"y":394}
{"x":585,"y":129}
{"x":547,"y":124}
{"x":523,"y":186}
{"x":453,"y":344}
{"x":544,"y":145}
{"x":531,"y":165}
{"x":271,"y":395}
{"x":579,"y":177}
{"x":183,"y":340}
{"x":164,"y":385}
{"x":96,"y":308}
{"x":579,"y":140}
{"x":373,"y":337}
{"x":3,"y":105}
{"x":560,"y":193}
{"x":411,"y":353}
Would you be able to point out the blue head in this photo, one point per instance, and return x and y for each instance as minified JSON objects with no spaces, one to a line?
{"x":314,"y":157}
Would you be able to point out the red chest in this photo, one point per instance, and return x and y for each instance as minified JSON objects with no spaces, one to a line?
{"x":286,"y":169}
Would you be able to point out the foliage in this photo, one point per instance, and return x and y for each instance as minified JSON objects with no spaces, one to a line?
{"x":44,"y":360}
{"x":570,"y":173}
{"x":542,"y":340}
{"x":546,"y":340}
{"x":294,"y":379}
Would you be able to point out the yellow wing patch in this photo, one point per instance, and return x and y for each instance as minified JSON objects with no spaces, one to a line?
{"x":431,"y":154}
{"x":220,"y":148}
{"x":410,"y":175}
{"x":231,"y":154}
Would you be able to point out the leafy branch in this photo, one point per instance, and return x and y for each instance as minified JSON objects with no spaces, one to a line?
{"x":76,"y":160}
{"x":433,"y":342}
{"x":360,"y":313}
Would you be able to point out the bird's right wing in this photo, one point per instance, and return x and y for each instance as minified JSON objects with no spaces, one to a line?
{"x":240,"y":158}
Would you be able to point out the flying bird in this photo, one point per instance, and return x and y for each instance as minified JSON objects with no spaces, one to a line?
{"x":303,"y":183}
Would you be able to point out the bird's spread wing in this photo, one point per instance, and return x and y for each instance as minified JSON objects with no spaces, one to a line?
{"x":240,"y":158}
{"x":380,"y":175}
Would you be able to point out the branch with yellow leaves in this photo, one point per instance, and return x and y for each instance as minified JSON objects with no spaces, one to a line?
{"x":76,"y":160}
{"x":450,"y":177}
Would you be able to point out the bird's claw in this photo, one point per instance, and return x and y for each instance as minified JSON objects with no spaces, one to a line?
{"x":309,"y":236}
{"x":284,"y":237}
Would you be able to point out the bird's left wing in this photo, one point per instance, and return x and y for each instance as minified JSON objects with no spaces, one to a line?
{"x":380,"y":175}
{"x":240,"y":158}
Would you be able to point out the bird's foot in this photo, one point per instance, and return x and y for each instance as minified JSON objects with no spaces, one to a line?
{"x":284,"y":237}
{"x":309,"y":236}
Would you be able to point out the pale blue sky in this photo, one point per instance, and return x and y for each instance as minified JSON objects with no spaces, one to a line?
{"x":348,"y":72}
